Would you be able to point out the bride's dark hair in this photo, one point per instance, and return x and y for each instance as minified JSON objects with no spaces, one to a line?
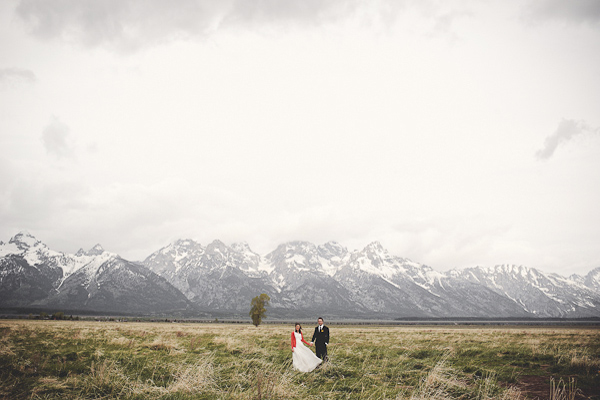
{"x":297,"y":324}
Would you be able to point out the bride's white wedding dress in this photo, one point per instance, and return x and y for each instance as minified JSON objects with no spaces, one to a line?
{"x":303,"y":358}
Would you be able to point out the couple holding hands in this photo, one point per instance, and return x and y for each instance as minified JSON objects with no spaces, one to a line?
{"x":303,"y":359}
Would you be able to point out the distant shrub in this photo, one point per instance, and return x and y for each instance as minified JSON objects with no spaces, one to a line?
{"x":58,"y":315}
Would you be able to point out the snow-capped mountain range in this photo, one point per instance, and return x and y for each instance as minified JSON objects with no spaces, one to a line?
{"x":34,"y":276}
{"x":301,"y":278}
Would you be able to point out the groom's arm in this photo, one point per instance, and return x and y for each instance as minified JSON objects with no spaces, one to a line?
{"x":314,"y":335}
{"x":326,"y":335}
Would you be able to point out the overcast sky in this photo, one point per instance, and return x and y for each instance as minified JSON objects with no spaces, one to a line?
{"x":456,"y":133}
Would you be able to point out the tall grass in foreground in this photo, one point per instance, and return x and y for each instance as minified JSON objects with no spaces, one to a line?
{"x":563,"y":391}
{"x":100,"y":360}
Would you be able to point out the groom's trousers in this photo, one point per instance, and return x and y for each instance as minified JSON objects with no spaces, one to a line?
{"x":321,"y":350}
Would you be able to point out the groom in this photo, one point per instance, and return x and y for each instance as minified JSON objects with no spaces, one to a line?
{"x":321,"y":339}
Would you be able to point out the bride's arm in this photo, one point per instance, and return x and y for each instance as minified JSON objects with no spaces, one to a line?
{"x":304,"y":341}
{"x":293,"y":341}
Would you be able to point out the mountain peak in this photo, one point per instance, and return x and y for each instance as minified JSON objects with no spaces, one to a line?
{"x":241,"y":247}
{"x":592,"y":279}
{"x":182,"y":246}
{"x":184,"y":242}
{"x":300,"y":245}
{"x":374,"y":247}
{"x":517,"y":270}
{"x":332,"y":244}
{"x":216,"y":245}
{"x":95,"y":251}
{"x":332,"y":249}
{"x":295,"y":246}
{"x":24,"y":240}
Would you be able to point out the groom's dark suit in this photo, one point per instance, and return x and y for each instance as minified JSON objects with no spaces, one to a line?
{"x":321,"y":338}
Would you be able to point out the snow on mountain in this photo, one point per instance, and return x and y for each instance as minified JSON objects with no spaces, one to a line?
{"x":72,"y":263}
{"x":111,"y":284}
{"x":298,"y":276}
{"x":91,"y":268}
{"x":543,"y":295}
{"x":291,"y":258}
{"x":170,"y":259}
{"x":376,"y":260}
{"x":22,"y":283}
{"x":301,"y":275}
{"x":31,"y":274}
{"x":30,"y":271}
{"x":369,"y":277}
{"x":217,"y":277}
{"x":95,"y":251}
{"x":24,"y":241}
{"x":592,"y":280}
{"x":250,"y":260}
{"x":37,"y":253}
{"x":27,"y":246}
{"x":332,"y":256}
{"x":397,"y":286}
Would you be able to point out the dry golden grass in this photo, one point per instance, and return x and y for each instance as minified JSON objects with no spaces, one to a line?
{"x":6,"y":350}
{"x":60,"y":359}
{"x":122,"y":341}
{"x":192,"y":378}
{"x":563,"y":390}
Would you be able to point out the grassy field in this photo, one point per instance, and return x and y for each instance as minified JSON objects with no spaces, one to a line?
{"x":76,"y":359}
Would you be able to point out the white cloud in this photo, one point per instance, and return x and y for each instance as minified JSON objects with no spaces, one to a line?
{"x":16,"y":77}
{"x":56,"y":139}
{"x":575,"y":12}
{"x":128,"y":25}
{"x":17,"y":74}
{"x":567,"y":129}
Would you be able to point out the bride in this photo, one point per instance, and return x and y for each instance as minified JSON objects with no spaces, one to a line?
{"x":303,"y":359}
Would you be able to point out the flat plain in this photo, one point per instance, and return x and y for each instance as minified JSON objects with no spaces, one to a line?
{"x":139,"y":360}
